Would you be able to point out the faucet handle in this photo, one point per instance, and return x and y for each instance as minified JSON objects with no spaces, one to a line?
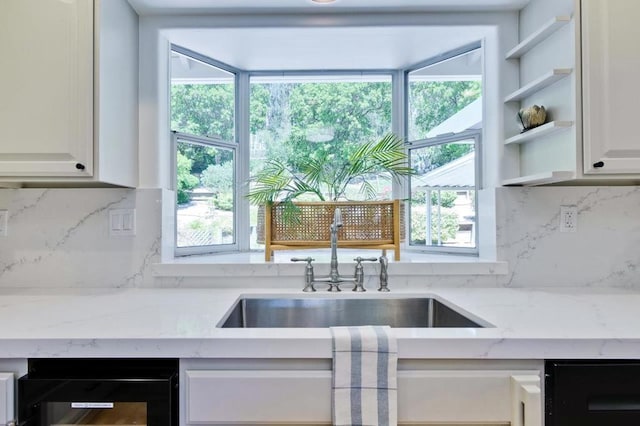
{"x":308,"y":273}
{"x":359,"y":275}
{"x":365,"y":259}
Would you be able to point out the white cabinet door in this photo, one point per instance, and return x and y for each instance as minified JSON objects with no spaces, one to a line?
{"x":6,"y":398}
{"x":46,"y":89}
{"x":610,"y":68}
{"x":483,"y":397}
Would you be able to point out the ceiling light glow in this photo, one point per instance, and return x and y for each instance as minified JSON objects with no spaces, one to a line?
{"x":323,"y":1}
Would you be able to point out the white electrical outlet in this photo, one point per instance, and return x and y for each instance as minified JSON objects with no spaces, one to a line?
{"x":122,"y":222}
{"x":4,"y":223}
{"x":568,"y":218}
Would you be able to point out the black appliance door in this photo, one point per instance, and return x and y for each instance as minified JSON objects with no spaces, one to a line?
{"x":592,"y":393}
{"x":63,"y":402}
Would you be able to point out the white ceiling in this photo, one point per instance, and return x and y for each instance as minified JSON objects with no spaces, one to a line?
{"x":339,"y":48}
{"x":326,"y":47}
{"x":144,"y":7}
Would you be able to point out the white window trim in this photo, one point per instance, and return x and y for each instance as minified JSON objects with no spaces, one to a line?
{"x":399,"y":126}
{"x":476,"y":136}
{"x":177,"y":137}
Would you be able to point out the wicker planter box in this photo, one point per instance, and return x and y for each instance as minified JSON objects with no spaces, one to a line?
{"x":367,"y":225}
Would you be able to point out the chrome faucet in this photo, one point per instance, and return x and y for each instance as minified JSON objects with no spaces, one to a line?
{"x":334,"y":275}
{"x":384,"y":276}
{"x":334,"y":279}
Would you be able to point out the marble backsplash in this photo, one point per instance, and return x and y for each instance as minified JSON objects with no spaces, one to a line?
{"x":605,"y":250}
{"x":60,"y":237}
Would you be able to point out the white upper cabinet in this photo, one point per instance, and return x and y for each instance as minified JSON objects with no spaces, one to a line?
{"x":68,"y":92}
{"x":46,"y":107}
{"x":611,"y":66}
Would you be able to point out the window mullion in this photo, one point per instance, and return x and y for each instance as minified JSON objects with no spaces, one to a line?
{"x":243,"y":207}
{"x":398,"y":126}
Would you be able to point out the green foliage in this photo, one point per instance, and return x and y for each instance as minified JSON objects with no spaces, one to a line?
{"x":447,"y":198}
{"x":218,"y":177}
{"x":327,"y":177}
{"x":448,"y":227}
{"x":223,"y":201}
{"x":282,"y":115}
{"x":432,"y":102}
{"x":203,"y":109}
{"x":200,"y":156}
{"x":185,"y":180}
{"x":354,"y":112}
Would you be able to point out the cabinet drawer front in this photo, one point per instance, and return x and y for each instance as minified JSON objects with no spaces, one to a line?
{"x":275,"y":396}
{"x":456,"y":396}
{"x":219,"y":397}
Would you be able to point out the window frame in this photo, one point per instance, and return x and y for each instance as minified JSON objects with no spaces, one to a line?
{"x":178,"y":137}
{"x":476,"y":136}
{"x":241,"y":144}
{"x":208,"y":141}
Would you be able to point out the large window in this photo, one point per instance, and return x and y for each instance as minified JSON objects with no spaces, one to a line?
{"x":444,"y":121}
{"x":294,"y":118}
{"x":203,"y":118}
{"x":288,"y":118}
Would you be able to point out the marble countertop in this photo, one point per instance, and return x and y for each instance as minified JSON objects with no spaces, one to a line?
{"x":527,"y":324}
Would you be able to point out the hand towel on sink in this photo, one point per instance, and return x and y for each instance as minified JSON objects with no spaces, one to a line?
{"x":364,"y":376}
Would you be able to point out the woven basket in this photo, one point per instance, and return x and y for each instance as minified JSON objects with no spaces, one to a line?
{"x":366,"y":224}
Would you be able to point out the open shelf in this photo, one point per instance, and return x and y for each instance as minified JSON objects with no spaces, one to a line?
{"x":540,"y":83}
{"x":538,"y":132}
{"x":540,"y":178}
{"x":530,"y":42}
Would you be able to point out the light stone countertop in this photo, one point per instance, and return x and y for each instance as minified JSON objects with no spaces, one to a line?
{"x":528,"y":324}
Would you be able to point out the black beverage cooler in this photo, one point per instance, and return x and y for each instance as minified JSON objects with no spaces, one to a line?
{"x":125,"y":392}
{"x":592,"y":393}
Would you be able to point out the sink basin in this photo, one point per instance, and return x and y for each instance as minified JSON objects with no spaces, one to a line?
{"x":328,"y":312}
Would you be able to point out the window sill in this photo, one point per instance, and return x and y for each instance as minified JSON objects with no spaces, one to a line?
{"x":253,"y":264}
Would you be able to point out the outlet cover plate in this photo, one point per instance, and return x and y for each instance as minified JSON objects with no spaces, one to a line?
{"x":568,"y":218}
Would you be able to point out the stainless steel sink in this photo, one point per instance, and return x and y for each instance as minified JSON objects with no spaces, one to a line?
{"x":328,"y":312}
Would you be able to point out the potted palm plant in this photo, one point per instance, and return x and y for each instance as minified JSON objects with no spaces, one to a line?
{"x":287,"y":223}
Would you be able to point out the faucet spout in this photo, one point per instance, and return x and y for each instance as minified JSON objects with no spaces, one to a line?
{"x":384,"y":275}
{"x":334,"y":279}
{"x":334,"y":275}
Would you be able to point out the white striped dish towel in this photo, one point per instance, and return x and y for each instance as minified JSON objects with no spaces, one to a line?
{"x":365,"y":387}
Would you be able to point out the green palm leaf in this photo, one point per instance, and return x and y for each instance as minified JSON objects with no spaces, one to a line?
{"x":327,"y":177}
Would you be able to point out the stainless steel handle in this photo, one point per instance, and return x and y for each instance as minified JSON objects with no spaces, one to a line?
{"x":308,"y":273}
{"x":366,"y":259}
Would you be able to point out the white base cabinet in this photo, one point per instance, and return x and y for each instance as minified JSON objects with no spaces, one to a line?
{"x":7,"y":404}
{"x":482,"y":397}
